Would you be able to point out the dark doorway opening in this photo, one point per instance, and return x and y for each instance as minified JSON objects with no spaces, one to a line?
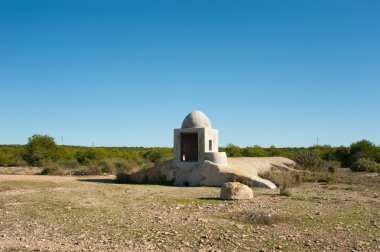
{"x":189,"y":147}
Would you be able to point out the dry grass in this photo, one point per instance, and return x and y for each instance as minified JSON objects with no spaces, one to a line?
{"x":97,"y":214}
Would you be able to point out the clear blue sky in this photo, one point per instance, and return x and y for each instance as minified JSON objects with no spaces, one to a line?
{"x":125,"y":73}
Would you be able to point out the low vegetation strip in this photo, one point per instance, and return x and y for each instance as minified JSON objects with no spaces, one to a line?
{"x":42,"y":151}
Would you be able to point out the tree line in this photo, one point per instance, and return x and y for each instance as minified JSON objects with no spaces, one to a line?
{"x":42,"y":151}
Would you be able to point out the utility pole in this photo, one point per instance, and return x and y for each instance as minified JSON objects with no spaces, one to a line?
{"x":62,"y":140}
{"x":317,"y":141}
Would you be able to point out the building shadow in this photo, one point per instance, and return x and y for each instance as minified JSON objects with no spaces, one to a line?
{"x":100,"y":180}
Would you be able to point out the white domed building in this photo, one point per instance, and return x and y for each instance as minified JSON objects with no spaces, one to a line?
{"x":194,"y":143}
{"x":197,"y":161}
{"x":197,"y":141}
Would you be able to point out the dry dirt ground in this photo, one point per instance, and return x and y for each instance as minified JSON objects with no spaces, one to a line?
{"x":47,"y":213}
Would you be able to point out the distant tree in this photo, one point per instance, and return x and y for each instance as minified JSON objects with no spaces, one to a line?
{"x":255,"y":151}
{"x":342,"y":154}
{"x":90,"y":155}
{"x":362,"y":149}
{"x":5,"y":159}
{"x":274,"y":152}
{"x":233,"y":151}
{"x":155,"y":156}
{"x":40,"y":150}
{"x":326,"y":152}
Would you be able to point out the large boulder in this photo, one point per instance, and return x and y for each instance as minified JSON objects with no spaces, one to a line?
{"x":216,"y":175}
{"x":235,"y":191}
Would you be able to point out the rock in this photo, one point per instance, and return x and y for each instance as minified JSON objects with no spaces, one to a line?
{"x":235,"y":191}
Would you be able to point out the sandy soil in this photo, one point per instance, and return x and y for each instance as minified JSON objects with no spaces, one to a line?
{"x":20,"y":170}
{"x":48,"y":213}
{"x":43,"y":178}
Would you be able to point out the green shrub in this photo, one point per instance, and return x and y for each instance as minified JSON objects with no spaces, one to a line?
{"x":52,"y":169}
{"x":41,"y":149}
{"x":106,"y":166}
{"x":89,"y":155}
{"x":68,"y":164}
{"x":233,"y":151}
{"x":88,"y":170}
{"x":332,"y":166}
{"x":5,"y":159}
{"x":310,"y":160}
{"x":285,"y":191}
{"x":255,"y":151}
{"x":365,"y":164}
{"x":362,"y":149}
{"x":156,"y":156}
{"x":122,"y":165}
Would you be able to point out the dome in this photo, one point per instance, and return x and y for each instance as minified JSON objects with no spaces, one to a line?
{"x":196,"y":119}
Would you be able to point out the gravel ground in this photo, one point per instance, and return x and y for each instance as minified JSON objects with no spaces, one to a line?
{"x":47,"y":213}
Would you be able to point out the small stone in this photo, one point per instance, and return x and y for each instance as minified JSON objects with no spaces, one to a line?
{"x":186,"y":244}
{"x":81,"y":236}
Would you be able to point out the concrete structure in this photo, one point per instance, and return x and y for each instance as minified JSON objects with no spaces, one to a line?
{"x":197,"y":161}
{"x":195,"y":142}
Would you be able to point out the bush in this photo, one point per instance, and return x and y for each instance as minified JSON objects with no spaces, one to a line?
{"x":362,"y":149}
{"x":365,"y":164}
{"x":310,"y":160}
{"x":69,"y":164}
{"x":255,"y":151}
{"x":156,"y":156}
{"x":342,"y":154}
{"x":284,"y":191}
{"x":5,"y":159}
{"x":233,"y":151}
{"x":41,"y":149}
{"x":52,"y":169}
{"x":282,"y":178}
{"x":89,"y":155}
{"x":332,"y":166}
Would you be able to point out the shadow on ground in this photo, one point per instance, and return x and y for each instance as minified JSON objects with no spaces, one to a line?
{"x":210,"y":198}
{"x":100,"y":180}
